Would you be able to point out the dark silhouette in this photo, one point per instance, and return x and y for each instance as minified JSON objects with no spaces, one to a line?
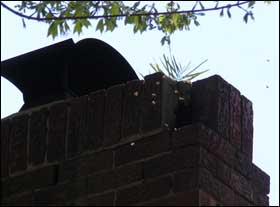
{"x":66,"y":69}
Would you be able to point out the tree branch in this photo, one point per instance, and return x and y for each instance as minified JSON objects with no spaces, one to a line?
{"x":238,"y":4}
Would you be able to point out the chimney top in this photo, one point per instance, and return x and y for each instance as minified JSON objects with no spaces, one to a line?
{"x":66,"y":69}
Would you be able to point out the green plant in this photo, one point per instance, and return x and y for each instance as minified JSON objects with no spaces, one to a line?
{"x":175,"y":70}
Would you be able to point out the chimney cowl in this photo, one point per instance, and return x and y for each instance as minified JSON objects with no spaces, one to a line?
{"x":66,"y":69}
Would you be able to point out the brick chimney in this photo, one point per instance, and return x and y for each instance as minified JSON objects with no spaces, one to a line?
{"x":145,"y":142}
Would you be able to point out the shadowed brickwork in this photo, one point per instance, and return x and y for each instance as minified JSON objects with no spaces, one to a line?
{"x":138,"y":143}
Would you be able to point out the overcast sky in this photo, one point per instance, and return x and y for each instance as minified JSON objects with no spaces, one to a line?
{"x":245,"y":55}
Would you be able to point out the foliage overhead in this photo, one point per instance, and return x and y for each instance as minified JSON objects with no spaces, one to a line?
{"x":142,"y":15}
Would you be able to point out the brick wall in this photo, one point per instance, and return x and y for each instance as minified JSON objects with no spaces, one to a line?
{"x":138,"y":143}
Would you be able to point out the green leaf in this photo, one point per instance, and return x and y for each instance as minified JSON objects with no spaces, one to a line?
{"x":110,"y":24}
{"x":251,"y":3}
{"x":196,"y":23}
{"x":78,"y":27}
{"x":100,"y":25}
{"x":175,"y":19}
{"x":53,"y":29}
{"x":129,"y":20}
{"x":115,"y":8}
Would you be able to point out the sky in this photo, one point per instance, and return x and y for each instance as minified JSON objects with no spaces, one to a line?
{"x":245,"y":55}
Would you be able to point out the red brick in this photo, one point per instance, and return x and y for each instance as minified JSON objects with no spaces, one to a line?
{"x":72,"y":168}
{"x":18,"y":143}
{"x":77,"y":129}
{"x":96,"y":105}
{"x":57,"y":132}
{"x":247,"y":127}
{"x":159,"y":102}
{"x":241,"y":185}
{"x":210,"y":104}
{"x":61,"y":194}
{"x":260,"y":199}
{"x":23,"y":199}
{"x":190,"y":198}
{"x":158,"y":166}
{"x":260,"y":180}
{"x":188,"y":157}
{"x":186,"y":180}
{"x":143,"y":148}
{"x":82,"y":166}
{"x":208,"y":183}
{"x":144,"y":192}
{"x":101,"y":182}
{"x":5,"y":138}
{"x":183,"y":109}
{"x":235,"y":117}
{"x":106,"y":199}
{"x":242,"y":163}
{"x":113,"y":114}
{"x":240,"y":201}
{"x":223,"y":172}
{"x":128,"y":174}
{"x":100,"y":161}
{"x":38,"y":178}
{"x":183,"y":136}
{"x":208,"y":161}
{"x":131,"y":116}
{"x":38,"y":136}
{"x":205,"y":199}
{"x":114,"y":178}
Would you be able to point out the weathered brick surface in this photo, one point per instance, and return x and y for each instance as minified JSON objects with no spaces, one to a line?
{"x":210,"y":104}
{"x":260,"y":179}
{"x":39,"y":178}
{"x":60,"y":194}
{"x":179,"y":159}
{"x":57,"y":132}
{"x":5,"y":138}
{"x":247,"y":126}
{"x":234,"y":170}
{"x":113,"y":114}
{"x":150,"y":146}
{"x":143,"y":192}
{"x":82,"y":166}
{"x":235,"y":117}
{"x":127,"y":174}
{"x":186,"y":180}
{"x":189,"y":198}
{"x":38,"y":137}
{"x":183,"y":110}
{"x":159,"y":96}
{"x":96,"y":105}
{"x":18,"y":143}
{"x":219,"y":190}
{"x":106,"y":199}
{"x":203,"y":159}
{"x":205,"y":199}
{"x":23,"y":199}
{"x":72,"y":169}
{"x":77,"y":133}
{"x":100,"y":161}
{"x":151,"y":117}
{"x":131,"y":116}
